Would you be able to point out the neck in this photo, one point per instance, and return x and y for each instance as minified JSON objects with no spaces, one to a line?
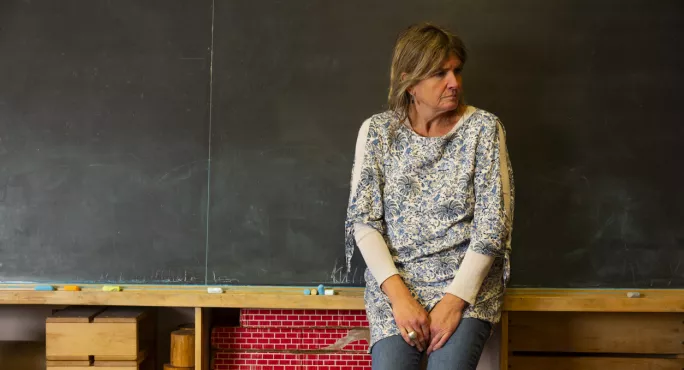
{"x":429,"y":123}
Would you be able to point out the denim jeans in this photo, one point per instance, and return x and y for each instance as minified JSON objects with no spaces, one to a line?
{"x":461,"y":352}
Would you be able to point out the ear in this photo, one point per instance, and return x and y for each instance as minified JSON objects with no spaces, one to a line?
{"x":403,"y":77}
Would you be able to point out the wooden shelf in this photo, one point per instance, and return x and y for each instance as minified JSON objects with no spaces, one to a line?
{"x":236,"y":297}
{"x":594,"y":300}
{"x":518,"y":299}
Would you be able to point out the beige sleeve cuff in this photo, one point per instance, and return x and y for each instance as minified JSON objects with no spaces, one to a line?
{"x":375,"y":252}
{"x":470,"y":275}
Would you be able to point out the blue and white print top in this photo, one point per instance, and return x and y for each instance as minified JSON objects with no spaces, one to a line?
{"x":432,"y":199}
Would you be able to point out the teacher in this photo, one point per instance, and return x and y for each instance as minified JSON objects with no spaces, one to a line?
{"x":431,"y":211}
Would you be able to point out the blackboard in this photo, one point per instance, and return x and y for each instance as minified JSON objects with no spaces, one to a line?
{"x":211,"y":142}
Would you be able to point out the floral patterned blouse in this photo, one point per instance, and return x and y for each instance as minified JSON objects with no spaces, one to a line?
{"x":433,"y":198}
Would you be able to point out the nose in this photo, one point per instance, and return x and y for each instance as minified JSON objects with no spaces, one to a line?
{"x":452,"y":80}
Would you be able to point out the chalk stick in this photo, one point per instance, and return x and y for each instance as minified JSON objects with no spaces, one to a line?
{"x":329,"y":292}
{"x":633,"y":294}
{"x":72,"y":288}
{"x":321,"y":289}
{"x":215,"y":290}
{"x":307,"y":291}
{"x":111,"y":288}
{"x":44,"y":287}
{"x":314,"y":292}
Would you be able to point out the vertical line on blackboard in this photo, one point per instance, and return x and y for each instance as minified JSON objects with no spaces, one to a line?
{"x":211,"y":105}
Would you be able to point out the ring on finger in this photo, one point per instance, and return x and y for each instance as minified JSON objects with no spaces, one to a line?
{"x":412,"y":335}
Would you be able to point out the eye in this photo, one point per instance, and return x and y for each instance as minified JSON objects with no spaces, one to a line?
{"x":458,"y":70}
{"x":441,"y":73}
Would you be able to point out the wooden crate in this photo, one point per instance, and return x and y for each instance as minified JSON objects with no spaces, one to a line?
{"x":595,"y":340}
{"x":95,"y":334}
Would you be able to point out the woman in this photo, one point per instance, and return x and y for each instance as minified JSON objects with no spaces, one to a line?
{"x":431,"y":211}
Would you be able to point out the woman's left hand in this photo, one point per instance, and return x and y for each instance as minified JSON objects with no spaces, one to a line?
{"x":444,"y":320}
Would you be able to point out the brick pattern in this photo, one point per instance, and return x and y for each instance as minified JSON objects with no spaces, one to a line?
{"x":291,"y":361}
{"x":251,"y":338}
{"x":291,"y":340}
{"x":303,"y":318}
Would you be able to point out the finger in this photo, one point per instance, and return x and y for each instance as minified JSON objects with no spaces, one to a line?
{"x":442,"y":340}
{"x":426,"y":331}
{"x":404,"y":334}
{"x":419,"y":341}
{"x":435,"y":339}
{"x":436,"y":334}
{"x":423,"y":332}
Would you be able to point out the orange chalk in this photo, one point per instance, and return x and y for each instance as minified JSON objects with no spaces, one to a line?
{"x":72,"y":288}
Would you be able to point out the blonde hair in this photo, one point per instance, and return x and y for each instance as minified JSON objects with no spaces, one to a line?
{"x":419,"y":52}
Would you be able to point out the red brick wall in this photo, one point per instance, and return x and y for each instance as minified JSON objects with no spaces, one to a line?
{"x":291,"y":340}
{"x":241,"y":338}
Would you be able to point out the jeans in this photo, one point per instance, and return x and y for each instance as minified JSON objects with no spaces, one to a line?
{"x":461,"y":352}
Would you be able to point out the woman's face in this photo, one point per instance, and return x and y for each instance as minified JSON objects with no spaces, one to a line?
{"x":440,"y":92}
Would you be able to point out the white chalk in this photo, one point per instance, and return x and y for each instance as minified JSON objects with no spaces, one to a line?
{"x":215,"y":290}
{"x":633,"y":294}
{"x":329,"y":292}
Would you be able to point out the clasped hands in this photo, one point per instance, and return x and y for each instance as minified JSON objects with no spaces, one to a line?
{"x":432,"y":329}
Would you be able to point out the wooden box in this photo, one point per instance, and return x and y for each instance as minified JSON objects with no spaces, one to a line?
{"x":84,"y":336}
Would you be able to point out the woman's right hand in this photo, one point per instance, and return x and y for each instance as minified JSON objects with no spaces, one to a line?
{"x":408,"y":313}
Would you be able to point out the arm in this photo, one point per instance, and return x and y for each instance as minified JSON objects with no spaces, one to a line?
{"x":380,"y":263}
{"x":367,"y":223}
{"x":489,"y":230}
{"x":488,"y":237}
{"x":470,"y":275}
{"x":375,"y":252}
{"x":369,"y":241}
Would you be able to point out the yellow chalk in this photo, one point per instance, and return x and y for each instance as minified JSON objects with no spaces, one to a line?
{"x":72,"y":288}
{"x":111,"y":288}
{"x":314,"y":292}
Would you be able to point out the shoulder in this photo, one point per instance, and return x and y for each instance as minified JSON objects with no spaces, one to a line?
{"x":485,"y":122}
{"x":383,"y":120}
{"x":379,"y":124}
